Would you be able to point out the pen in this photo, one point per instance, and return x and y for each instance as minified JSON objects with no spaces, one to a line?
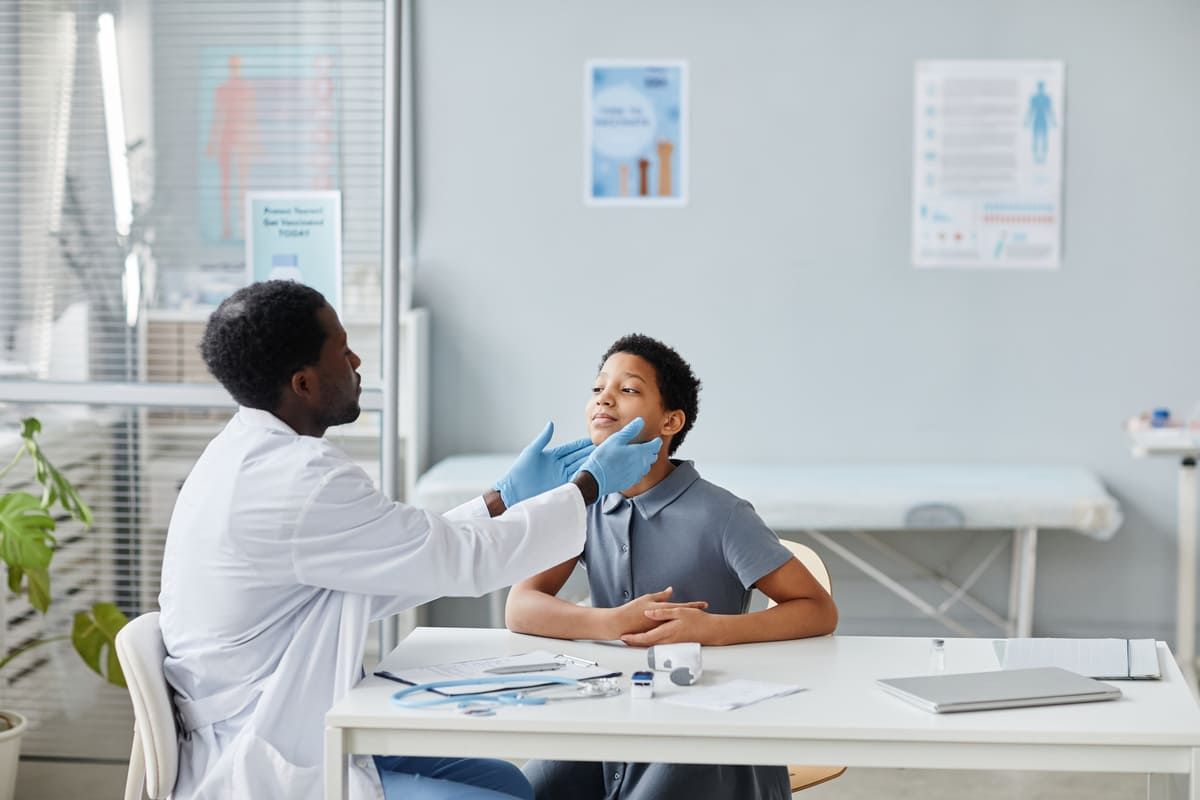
{"x":516,"y":669}
{"x":583,"y":662}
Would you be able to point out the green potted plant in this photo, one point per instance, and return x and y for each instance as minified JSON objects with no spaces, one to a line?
{"x":27,"y":546}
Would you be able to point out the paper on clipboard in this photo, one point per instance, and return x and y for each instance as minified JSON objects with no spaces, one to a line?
{"x":481,"y":669}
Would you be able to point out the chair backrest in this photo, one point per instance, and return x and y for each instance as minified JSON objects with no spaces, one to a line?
{"x":809,"y":558}
{"x":141,"y":652}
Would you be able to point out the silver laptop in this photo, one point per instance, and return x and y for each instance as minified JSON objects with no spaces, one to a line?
{"x":1006,"y":688}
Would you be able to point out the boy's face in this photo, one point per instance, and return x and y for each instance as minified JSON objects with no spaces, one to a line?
{"x":625,"y":389}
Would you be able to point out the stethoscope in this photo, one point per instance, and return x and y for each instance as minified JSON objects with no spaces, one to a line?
{"x":485,"y":703}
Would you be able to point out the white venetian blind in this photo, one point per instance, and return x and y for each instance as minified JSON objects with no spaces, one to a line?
{"x":121,"y":227}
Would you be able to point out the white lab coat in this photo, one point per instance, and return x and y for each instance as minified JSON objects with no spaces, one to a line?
{"x":279,"y":553}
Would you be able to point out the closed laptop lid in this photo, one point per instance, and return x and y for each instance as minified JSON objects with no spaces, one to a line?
{"x":1008,"y":688}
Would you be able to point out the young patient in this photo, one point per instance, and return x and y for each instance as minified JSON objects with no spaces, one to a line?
{"x":672,"y":559}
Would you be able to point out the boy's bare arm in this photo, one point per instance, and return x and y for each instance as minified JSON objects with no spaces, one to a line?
{"x":533,"y":608}
{"x":804,"y":609}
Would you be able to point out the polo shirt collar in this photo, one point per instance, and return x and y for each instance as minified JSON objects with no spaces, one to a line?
{"x":660,"y":495}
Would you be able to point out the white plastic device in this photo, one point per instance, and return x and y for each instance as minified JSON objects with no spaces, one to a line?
{"x":681,"y":659}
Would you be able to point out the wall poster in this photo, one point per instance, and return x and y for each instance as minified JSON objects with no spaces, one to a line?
{"x":987,"y":164}
{"x":635,"y":129}
{"x":296,"y":236}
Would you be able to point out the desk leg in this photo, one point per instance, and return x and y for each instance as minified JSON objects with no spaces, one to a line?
{"x":1021,"y":582}
{"x":337,"y":778}
{"x":1185,"y":610}
{"x":1184,"y":786}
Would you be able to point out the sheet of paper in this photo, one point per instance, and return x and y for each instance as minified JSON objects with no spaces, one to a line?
{"x":987,"y":169}
{"x":478,"y":670}
{"x":732,"y":694}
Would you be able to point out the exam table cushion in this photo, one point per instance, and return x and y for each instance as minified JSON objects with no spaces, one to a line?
{"x":862,"y":496}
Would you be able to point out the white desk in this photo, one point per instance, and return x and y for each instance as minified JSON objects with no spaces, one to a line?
{"x":834,"y":503}
{"x":1183,"y":445}
{"x":843,"y":718}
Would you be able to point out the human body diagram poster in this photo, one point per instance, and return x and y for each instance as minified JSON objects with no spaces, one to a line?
{"x":635,"y":127}
{"x":987,"y":173}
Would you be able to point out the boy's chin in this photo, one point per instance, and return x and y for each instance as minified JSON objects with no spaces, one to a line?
{"x":599,"y":435}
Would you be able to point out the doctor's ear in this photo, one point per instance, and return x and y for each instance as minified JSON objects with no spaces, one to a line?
{"x":303,"y":383}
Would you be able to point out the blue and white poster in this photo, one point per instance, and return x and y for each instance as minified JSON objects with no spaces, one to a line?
{"x":987,"y":164}
{"x":296,"y":236}
{"x":635,"y":126}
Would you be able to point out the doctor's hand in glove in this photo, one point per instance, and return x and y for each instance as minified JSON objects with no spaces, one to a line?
{"x":617,"y":463}
{"x":632,"y":617}
{"x":539,"y":469}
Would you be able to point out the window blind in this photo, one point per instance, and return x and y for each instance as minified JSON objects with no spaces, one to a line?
{"x":121,"y":226}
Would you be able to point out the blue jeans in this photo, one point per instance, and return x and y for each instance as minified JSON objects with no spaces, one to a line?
{"x":414,"y":778}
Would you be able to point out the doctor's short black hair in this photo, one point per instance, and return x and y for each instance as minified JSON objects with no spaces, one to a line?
{"x":260,"y":336}
{"x":678,"y":385}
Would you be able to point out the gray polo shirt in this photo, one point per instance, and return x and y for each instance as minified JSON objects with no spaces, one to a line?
{"x":684,"y":532}
{"x":709,"y":545}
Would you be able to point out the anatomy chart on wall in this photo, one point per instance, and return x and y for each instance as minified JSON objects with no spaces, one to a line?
{"x":635,"y":126}
{"x":267,"y":120}
{"x":987,"y":171}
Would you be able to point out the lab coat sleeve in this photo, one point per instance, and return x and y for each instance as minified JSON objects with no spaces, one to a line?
{"x":473,"y":508}
{"x":351,"y":538}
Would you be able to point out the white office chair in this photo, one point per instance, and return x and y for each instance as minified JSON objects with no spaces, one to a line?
{"x":803,"y":777}
{"x":154,"y":760}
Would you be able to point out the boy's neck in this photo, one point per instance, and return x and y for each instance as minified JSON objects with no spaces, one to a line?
{"x":659,"y":470}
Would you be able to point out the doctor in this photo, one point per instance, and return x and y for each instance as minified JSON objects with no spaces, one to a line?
{"x":280,"y":551}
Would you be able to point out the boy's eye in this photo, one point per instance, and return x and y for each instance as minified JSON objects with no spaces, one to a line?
{"x":595,"y":390}
{"x":630,"y":390}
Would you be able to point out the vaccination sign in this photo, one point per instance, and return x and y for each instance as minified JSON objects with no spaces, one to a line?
{"x":296,"y":236}
{"x":987,"y":171}
{"x":635,"y":126}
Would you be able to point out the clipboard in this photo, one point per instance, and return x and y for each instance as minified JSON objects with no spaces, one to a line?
{"x":1104,"y":659}
{"x":480,"y":669}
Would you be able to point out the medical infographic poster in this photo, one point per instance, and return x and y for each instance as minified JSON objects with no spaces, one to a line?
{"x":635,"y":126}
{"x":987,"y":171}
{"x":296,"y":236}
{"x":268,"y":118}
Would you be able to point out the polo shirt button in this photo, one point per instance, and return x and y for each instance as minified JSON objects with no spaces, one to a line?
{"x":624,"y":548}
{"x":625,"y":593}
{"x":616,"y":776}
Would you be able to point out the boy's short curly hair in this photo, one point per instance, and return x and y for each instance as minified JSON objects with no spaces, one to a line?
{"x":260,"y":336}
{"x":678,"y":385}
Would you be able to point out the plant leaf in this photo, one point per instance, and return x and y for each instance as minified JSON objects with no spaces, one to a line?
{"x":27,"y":545}
{"x":94,"y":635}
{"x":39,"y":588}
{"x":56,"y":487}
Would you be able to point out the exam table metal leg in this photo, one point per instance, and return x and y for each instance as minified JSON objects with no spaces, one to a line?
{"x":1185,"y":610}
{"x":955,"y":593}
{"x":1021,"y":582}
{"x":337,"y":779}
{"x":881,"y":577}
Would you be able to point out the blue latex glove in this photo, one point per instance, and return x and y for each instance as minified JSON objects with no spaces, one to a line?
{"x":539,"y":470}
{"x":616,"y":464}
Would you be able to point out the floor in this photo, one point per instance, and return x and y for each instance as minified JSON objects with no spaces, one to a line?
{"x":39,"y":780}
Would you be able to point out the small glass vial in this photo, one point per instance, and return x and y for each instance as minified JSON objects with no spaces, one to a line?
{"x":937,"y":655}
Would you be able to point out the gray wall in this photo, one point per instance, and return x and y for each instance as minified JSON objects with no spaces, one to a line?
{"x":787,"y":281}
